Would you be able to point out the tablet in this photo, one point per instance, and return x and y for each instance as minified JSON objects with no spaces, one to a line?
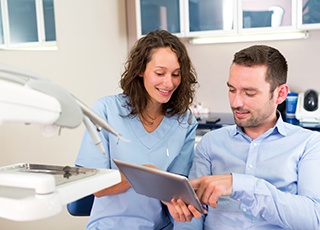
{"x":159,"y":184}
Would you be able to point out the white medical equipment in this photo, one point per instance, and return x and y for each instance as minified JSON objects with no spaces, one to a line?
{"x":35,"y":191}
{"x":308,"y":109}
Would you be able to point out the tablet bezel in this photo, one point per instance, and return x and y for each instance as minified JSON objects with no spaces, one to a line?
{"x":159,"y":184}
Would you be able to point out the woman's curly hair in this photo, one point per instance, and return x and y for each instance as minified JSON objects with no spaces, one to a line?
{"x":133,"y":86}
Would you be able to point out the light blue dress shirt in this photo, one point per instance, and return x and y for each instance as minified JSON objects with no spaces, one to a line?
{"x":275,"y":183}
{"x":170,"y":147}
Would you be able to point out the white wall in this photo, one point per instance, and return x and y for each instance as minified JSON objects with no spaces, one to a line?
{"x":92,"y":43}
{"x":212,"y":63}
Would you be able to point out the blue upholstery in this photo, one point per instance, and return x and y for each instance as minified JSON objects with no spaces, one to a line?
{"x":81,"y":207}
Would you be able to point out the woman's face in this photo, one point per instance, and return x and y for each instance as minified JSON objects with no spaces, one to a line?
{"x":162,"y":75}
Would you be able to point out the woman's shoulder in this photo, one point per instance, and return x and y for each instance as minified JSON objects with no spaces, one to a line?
{"x":109,"y":100}
{"x":116,"y":102}
{"x":186,"y":118}
{"x":190,"y":117}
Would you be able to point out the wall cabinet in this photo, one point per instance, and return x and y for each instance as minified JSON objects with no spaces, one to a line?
{"x":309,"y":14}
{"x":194,"y":18}
{"x":272,"y":15}
{"x":185,"y":18}
{"x":164,"y":14}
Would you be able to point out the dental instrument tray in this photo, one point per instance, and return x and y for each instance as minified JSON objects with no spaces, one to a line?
{"x":35,"y":191}
{"x":62,"y":174}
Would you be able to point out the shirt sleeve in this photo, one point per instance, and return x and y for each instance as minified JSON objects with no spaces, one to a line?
{"x":195,"y":224}
{"x":290,"y":211}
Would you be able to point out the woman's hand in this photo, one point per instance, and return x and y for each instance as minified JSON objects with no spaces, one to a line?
{"x":181,"y":212}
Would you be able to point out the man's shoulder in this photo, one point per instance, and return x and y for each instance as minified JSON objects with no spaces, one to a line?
{"x":301,"y":131}
{"x":221,"y":132}
{"x":297,"y":128}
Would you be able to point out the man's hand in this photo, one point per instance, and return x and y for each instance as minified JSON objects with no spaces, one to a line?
{"x":210,"y":188}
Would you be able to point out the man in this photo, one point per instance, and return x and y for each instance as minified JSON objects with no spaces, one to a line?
{"x":261,"y":173}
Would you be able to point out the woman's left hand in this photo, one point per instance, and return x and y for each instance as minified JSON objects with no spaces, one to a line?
{"x":181,"y":212}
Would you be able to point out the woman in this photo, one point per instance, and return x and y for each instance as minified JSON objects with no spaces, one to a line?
{"x":153,"y":113}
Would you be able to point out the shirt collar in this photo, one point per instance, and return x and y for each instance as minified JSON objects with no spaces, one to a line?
{"x":279,"y":127}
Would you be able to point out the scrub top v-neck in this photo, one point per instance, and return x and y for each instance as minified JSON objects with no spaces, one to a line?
{"x":170,"y":147}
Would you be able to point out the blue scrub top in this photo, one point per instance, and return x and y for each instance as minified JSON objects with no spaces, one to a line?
{"x":170,"y":147}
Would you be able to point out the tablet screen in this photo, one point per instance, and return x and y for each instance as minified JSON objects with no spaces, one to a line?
{"x":159,"y":184}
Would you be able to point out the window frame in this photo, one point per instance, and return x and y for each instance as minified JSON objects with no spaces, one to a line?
{"x":41,"y":44}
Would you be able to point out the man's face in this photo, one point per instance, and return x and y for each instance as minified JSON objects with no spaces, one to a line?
{"x":250,"y":99}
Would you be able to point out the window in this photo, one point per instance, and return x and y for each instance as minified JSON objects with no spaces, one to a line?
{"x":309,"y":14}
{"x":27,"y":24}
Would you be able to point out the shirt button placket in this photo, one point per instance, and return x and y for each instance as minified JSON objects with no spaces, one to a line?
{"x":252,"y":156}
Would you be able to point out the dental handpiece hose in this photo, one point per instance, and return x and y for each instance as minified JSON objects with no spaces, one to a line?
{"x":92,"y":129}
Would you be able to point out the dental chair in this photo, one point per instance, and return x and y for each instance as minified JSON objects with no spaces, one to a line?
{"x":31,"y":191}
{"x":81,"y":207}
